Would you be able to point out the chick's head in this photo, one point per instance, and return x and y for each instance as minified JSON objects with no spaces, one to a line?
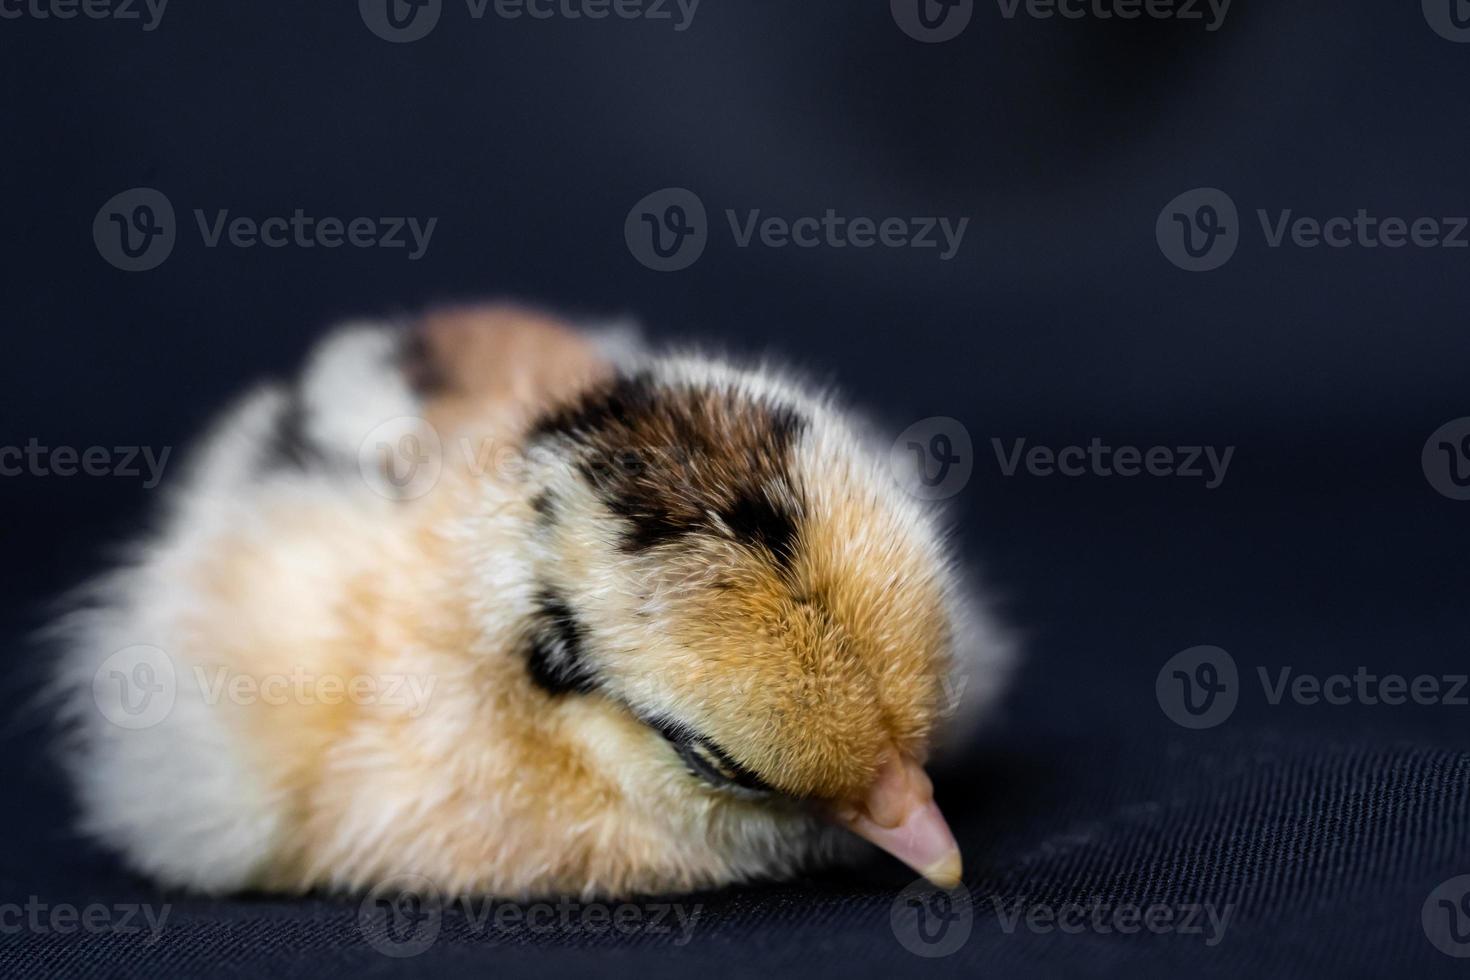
{"x":725,"y":558}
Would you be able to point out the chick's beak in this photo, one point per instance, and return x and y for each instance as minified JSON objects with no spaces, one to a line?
{"x":899,"y":815}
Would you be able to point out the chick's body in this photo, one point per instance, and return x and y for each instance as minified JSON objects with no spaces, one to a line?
{"x":475,"y":602}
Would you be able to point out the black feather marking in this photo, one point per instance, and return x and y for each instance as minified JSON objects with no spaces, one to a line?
{"x":677,"y":460}
{"x":627,"y":396}
{"x":757,"y":520}
{"x":544,"y":504}
{"x":557,"y":656}
{"x":425,"y":375}
{"x":289,"y":446}
{"x":650,"y":522}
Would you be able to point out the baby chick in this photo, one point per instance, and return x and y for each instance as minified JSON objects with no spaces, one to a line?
{"x":524,"y":611}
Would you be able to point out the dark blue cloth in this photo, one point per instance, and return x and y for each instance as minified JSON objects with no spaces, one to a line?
{"x":1324,"y":837}
{"x":1317,"y":832}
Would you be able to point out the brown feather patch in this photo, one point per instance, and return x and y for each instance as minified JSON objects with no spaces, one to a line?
{"x":678,"y":460}
{"x":503,"y":359}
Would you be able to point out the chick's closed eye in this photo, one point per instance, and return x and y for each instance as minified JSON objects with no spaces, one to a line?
{"x":602,"y":568}
{"x":705,"y":760}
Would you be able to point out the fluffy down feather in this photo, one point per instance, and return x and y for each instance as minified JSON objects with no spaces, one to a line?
{"x":522,"y":610}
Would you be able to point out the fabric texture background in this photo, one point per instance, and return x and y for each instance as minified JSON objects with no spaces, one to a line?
{"x":1320,"y":830}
